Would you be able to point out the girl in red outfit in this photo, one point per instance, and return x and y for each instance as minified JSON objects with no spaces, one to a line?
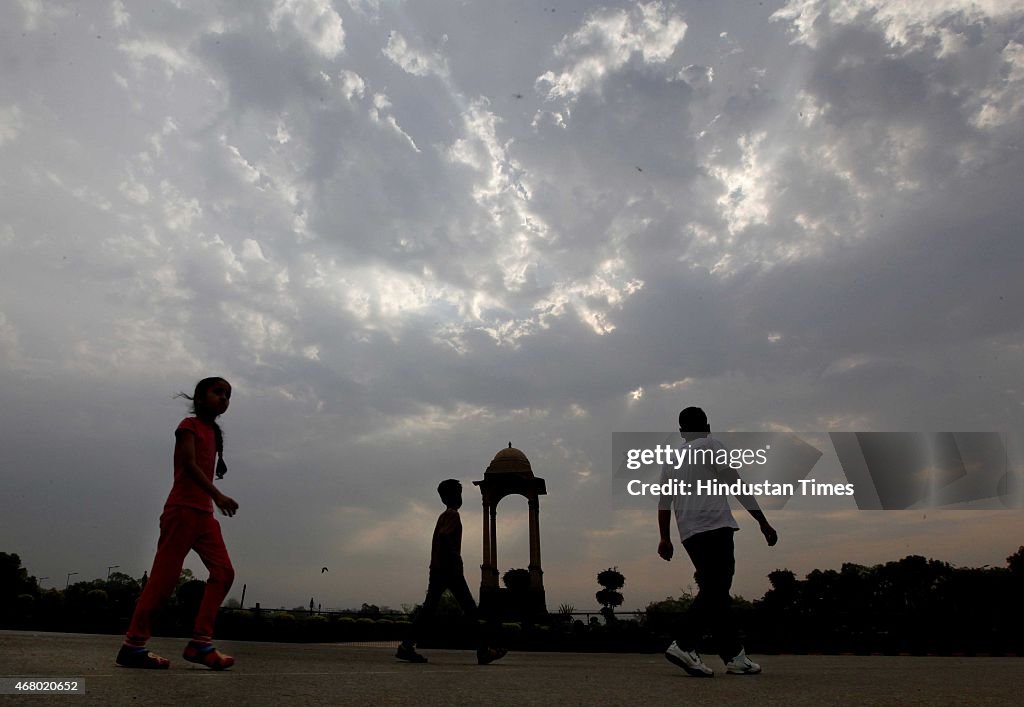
{"x":188,"y":524}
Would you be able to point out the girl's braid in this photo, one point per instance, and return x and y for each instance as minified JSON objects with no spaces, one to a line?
{"x":218,"y":435}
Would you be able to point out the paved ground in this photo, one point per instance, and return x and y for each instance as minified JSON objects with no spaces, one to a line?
{"x":313,"y":674}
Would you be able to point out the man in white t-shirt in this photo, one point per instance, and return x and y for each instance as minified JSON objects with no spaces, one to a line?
{"x":706,"y":528}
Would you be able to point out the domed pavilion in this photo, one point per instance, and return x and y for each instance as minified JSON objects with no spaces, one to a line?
{"x":510,"y":473}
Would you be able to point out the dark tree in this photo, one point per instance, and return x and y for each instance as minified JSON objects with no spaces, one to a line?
{"x":663,"y":617}
{"x":14,"y":579}
{"x":609,"y":597}
{"x":516,"y":580}
{"x":15,"y":584}
{"x":1016,"y":563}
{"x":370,"y":610}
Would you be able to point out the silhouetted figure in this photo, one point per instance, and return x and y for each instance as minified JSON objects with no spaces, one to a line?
{"x":187,"y":523}
{"x":446,"y":572}
{"x":706,"y":528}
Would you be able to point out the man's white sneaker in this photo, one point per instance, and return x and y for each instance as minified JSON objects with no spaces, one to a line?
{"x":742,"y":665}
{"x":689,"y":661}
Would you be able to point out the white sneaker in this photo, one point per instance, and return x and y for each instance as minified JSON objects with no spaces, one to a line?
{"x":742,"y":665}
{"x":689,"y":661}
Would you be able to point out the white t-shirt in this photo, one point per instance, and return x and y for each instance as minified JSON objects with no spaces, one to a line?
{"x":697,"y":514}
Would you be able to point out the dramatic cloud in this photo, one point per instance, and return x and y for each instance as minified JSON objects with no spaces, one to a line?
{"x":409,"y":233}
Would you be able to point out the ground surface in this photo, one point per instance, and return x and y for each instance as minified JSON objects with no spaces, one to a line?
{"x":311,"y":674}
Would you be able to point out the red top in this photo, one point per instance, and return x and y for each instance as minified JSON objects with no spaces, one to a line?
{"x":186,"y":492}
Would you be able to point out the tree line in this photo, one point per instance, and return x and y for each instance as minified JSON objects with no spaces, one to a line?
{"x":912,"y":605}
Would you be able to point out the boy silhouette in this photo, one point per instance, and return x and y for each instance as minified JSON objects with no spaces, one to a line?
{"x":446,"y":572}
{"x":706,"y":528}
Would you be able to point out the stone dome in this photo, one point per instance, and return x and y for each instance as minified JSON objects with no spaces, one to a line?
{"x":510,"y":461}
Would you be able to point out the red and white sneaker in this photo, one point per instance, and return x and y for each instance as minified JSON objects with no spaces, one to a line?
{"x":206,"y":654}
{"x":140,"y":657}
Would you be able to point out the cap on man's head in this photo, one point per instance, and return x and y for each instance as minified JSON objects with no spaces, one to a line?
{"x":693,"y":419}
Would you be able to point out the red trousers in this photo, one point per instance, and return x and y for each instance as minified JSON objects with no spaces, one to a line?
{"x":183,"y":529}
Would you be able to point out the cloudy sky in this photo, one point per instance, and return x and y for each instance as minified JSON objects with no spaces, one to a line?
{"x":411,"y":232}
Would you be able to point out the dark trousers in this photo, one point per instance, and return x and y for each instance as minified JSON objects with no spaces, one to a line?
{"x":455,"y":582}
{"x":714,"y":560}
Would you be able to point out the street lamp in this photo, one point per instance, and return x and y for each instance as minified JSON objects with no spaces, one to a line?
{"x":68,"y":581}
{"x":40,"y":580}
{"x":112,"y":567}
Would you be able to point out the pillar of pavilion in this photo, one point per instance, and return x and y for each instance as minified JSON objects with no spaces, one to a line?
{"x":510,"y":473}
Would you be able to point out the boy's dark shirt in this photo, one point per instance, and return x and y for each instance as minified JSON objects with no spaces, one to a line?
{"x":446,"y":547}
